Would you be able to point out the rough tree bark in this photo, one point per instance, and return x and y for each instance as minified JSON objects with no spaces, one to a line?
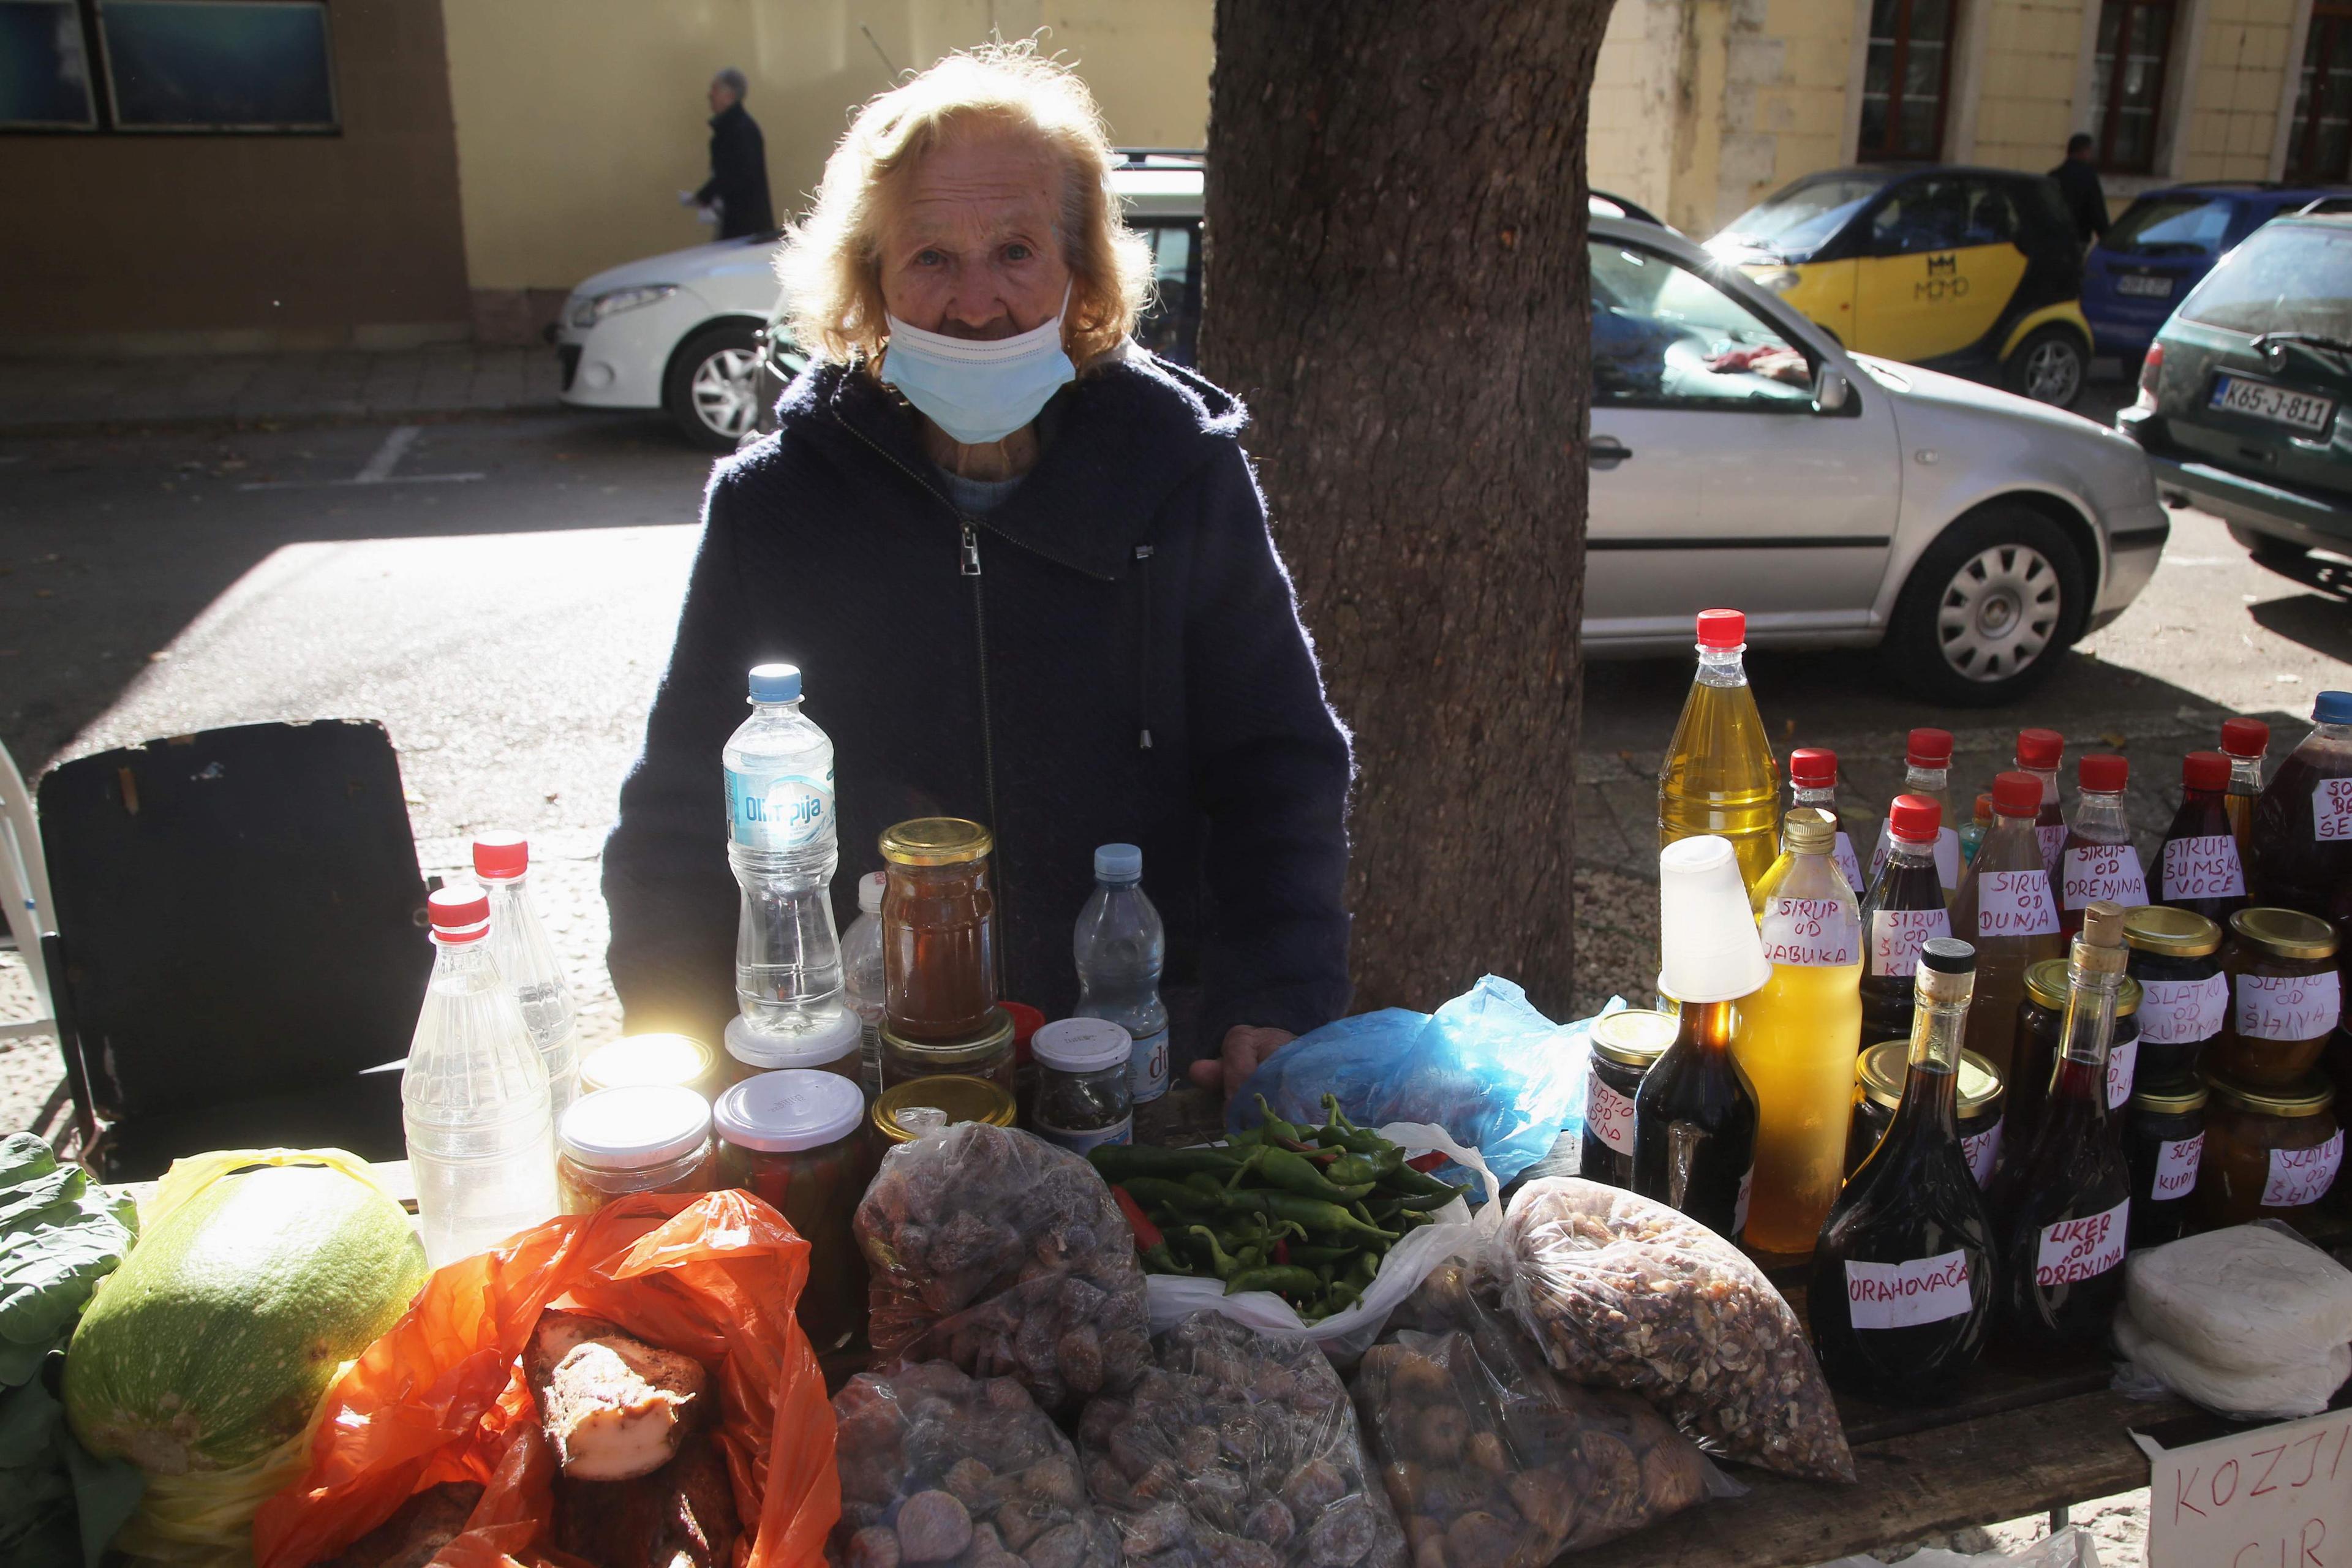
{"x":1396,"y":283}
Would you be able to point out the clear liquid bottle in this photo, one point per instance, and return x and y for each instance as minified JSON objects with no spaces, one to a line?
{"x":1797,"y":1038}
{"x":1813,"y":782}
{"x":1928,"y":772}
{"x":2244,"y":742}
{"x":1901,"y":912}
{"x":2197,"y":867}
{"x":1972,"y":835}
{"x":2040,"y":753}
{"x":1720,"y":777}
{"x":781,"y":844}
{"x":1120,"y":948}
{"x":1904,"y":1282}
{"x":474,"y":1102}
{"x":2064,"y":1210}
{"x":2008,"y":911}
{"x":527,"y":962}
{"x":2303,"y":821}
{"x":861,"y":976}
{"x":2097,"y":861}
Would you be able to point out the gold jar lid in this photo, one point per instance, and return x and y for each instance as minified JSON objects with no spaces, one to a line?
{"x":2174,"y":933}
{"x":993,"y":1040}
{"x":1881,"y":1067}
{"x":2170,"y":1099}
{"x":1633,"y":1036}
{"x":2289,"y":934}
{"x":1809,"y":830}
{"x":948,"y":1096}
{"x":2309,"y":1098}
{"x":2046,"y":982}
{"x":936,"y":841}
{"x":638,"y":1061}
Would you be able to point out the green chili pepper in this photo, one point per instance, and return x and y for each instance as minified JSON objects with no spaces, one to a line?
{"x":1241,"y":1142}
{"x":1203,"y":1183}
{"x":1287,"y":1279}
{"x":1294,"y":1173}
{"x":1366,"y":1268}
{"x":1157,"y":1193}
{"x":1322,"y":1217}
{"x":1353,"y":1170}
{"x":1273,"y":1126}
{"x":1311,"y":1255}
{"x":1413,"y":1181}
{"x":1220,"y":1262}
{"x":1117,"y":1162}
{"x":1343,"y":1295}
{"x":1423,"y":1202}
{"x":1159,"y":1260}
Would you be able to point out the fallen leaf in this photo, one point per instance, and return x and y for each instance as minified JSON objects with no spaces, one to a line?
{"x":2116,"y":741}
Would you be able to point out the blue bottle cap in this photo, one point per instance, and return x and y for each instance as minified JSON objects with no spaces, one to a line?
{"x":1119,"y":863}
{"x":2332,"y":708}
{"x":775,"y":683}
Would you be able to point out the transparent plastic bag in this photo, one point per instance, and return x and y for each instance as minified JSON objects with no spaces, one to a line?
{"x":937,"y":1466}
{"x":1237,"y":1451}
{"x":1623,"y":1292}
{"x":1008,"y":1257}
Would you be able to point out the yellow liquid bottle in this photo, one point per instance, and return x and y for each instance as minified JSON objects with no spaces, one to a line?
{"x":1797,"y":1038}
{"x":1720,"y":776}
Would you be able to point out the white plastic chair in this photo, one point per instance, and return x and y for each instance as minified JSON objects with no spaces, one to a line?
{"x":25,"y":895}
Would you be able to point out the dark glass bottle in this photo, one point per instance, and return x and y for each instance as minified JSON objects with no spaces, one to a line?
{"x":2197,"y":867}
{"x":1904,"y":907}
{"x":1694,"y":1125}
{"x":1903,"y":1275}
{"x":2064,"y":1208}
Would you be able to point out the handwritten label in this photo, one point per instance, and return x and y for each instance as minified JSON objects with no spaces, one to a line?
{"x":1812,"y":934}
{"x":2075,"y":1250}
{"x":2015,"y":903}
{"x":1739,"y":1209}
{"x":2177,"y":1011}
{"x":1609,"y":1116}
{"x":2111,"y":871}
{"x":1848,"y":867}
{"x":1948,"y":855}
{"x":2288,"y":1007}
{"x":2053,"y":838}
{"x":2175,"y":1168}
{"x":2331,"y":810}
{"x":2300,"y":1176}
{"x":2123,"y":1060}
{"x":1982,"y":1150}
{"x":1898,"y":935}
{"x":1905,"y":1295}
{"x":2274,"y":1497}
{"x":2206,"y":866}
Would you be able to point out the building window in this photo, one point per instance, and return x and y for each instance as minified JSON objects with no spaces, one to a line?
{"x":150,"y":65}
{"x":1904,"y":78}
{"x":2319,"y":148}
{"x":2127,"y":82}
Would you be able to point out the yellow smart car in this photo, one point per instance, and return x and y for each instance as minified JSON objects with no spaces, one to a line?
{"x":1975,"y":271}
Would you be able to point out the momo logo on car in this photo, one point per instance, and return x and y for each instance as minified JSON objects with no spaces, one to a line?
{"x":1943,"y":280}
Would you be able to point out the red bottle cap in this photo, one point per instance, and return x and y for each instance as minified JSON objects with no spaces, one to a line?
{"x":2039,"y":748}
{"x":1913,"y":818}
{"x":1026,"y":1021}
{"x":2104,"y":771}
{"x":1928,"y":749}
{"x":461,"y":911}
{"x":1984,"y":808}
{"x":1812,"y":767}
{"x":2017,"y":795}
{"x":2205,"y":770}
{"x":1722,"y":628}
{"x":2245,"y":737}
{"x":501,"y":855}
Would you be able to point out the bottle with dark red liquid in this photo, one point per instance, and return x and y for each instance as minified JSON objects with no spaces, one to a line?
{"x":1903,"y":1284}
{"x":1902,"y":909}
{"x":2064,"y":1210}
{"x":1928,"y":772}
{"x":2039,"y":753}
{"x":2197,"y":867}
{"x":2098,"y":861}
{"x":2244,"y":742}
{"x":2303,"y":823}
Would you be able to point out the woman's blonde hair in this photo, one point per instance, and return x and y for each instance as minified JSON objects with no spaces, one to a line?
{"x":831,"y":260}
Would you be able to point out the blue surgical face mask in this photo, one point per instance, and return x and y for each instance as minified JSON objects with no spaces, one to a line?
{"x":978,"y":392}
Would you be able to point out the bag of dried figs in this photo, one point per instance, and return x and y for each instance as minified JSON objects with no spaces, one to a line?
{"x":1623,"y":1292}
{"x":1237,"y":1451}
{"x":1008,"y":1257}
{"x":938,"y":1467}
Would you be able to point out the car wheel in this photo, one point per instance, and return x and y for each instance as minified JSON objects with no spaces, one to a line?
{"x":2048,"y":367}
{"x":2279,"y":554}
{"x":713,"y":389}
{"x":1987,"y":609}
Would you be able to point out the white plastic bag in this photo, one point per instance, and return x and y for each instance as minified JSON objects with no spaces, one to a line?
{"x":2071,"y":1547}
{"x":2249,"y":1299}
{"x":1345,"y":1336}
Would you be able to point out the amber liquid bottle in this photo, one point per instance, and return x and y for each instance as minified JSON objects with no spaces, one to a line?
{"x":1903,"y":1284}
{"x":2197,"y":866}
{"x":2245,"y":742}
{"x":2008,"y":911}
{"x":1904,"y":907}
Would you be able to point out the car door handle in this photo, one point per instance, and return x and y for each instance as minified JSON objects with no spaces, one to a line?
{"x":1606,"y":452}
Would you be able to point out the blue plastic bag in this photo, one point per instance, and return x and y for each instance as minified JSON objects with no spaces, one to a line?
{"x":1499,"y":1075}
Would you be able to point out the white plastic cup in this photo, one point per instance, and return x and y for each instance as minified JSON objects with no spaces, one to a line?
{"x":1708,"y":945}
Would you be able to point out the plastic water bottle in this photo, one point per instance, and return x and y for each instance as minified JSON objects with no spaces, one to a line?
{"x":779,"y":841}
{"x":1120,"y":947}
{"x":861,"y":976}
{"x":527,"y":962}
{"x":481,"y":1138}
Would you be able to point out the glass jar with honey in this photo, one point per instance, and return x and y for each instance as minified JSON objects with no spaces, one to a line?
{"x":2284,"y":997}
{"x":2268,"y":1152}
{"x":938,"y":929}
{"x":906,"y":1111}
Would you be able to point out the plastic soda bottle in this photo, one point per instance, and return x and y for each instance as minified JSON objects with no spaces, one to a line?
{"x":2197,"y":867}
{"x":1973,"y":835}
{"x":2039,"y":753}
{"x":1903,"y":909}
{"x":1812,"y":781}
{"x":2244,"y":742}
{"x":1720,"y":776}
{"x":1797,"y":1038}
{"x":2098,"y":861}
{"x":1120,"y":948}
{"x":1928,"y":772}
{"x":779,"y":841}
{"x":2303,"y":822}
{"x":861,"y":976}
{"x":528,"y":964}
{"x":474,"y":1104}
{"x":2009,"y":912}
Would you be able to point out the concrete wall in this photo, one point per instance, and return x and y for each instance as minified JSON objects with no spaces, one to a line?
{"x":2240,"y":90}
{"x":2025,"y":83}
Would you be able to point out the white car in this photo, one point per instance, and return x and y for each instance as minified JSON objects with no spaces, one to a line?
{"x":675,"y":332}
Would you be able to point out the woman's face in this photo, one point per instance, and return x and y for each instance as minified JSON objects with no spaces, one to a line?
{"x":973,"y":252}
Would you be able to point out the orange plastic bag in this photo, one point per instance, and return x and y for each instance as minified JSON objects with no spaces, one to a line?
{"x":439,"y":1397}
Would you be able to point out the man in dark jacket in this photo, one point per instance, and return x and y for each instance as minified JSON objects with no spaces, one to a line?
{"x":1044,"y":599}
{"x":738,"y":186}
{"x":2078,"y":181}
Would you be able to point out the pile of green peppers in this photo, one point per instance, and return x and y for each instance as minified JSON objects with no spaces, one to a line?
{"x":1307,"y":1213}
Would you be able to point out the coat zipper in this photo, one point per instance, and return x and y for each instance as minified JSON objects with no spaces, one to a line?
{"x":1143,"y":660}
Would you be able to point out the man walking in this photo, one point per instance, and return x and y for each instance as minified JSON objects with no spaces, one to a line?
{"x":2078,"y":181}
{"x":738,"y":186}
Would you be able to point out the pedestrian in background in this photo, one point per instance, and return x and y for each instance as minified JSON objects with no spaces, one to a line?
{"x":738,"y":186}
{"x":2078,"y":181}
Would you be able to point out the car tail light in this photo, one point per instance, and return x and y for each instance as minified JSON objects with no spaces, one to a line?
{"x":2151,"y":370}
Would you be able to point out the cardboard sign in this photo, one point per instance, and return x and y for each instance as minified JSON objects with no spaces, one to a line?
{"x":2275,"y":1497}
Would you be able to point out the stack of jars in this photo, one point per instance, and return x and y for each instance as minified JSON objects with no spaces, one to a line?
{"x":2273,"y":1146}
{"x":946,"y":1042}
{"x":2176,"y":966}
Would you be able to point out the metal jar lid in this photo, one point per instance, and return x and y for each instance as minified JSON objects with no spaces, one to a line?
{"x":1881,"y":1069}
{"x":2170,"y":1098}
{"x":2288,"y":934}
{"x":637,"y":1061}
{"x":633,"y":1129}
{"x":925,"y":1104}
{"x":936,"y":841}
{"x":2309,"y":1098}
{"x":2174,"y":933}
{"x":1633,"y":1036}
{"x":947,"y":1056}
{"x":2046,"y":982}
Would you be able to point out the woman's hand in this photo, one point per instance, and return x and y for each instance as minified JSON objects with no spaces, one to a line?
{"x":1245,"y":1047}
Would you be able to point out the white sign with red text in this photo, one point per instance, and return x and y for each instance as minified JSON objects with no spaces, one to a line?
{"x":1812,"y":934}
{"x":2110,"y":871}
{"x":1609,"y":1116}
{"x":2177,"y":1011}
{"x":2075,"y":1250}
{"x":2300,"y":1176}
{"x":1898,"y":935}
{"x":2202,"y":868}
{"x":2015,"y":903}
{"x":1905,"y":1295}
{"x":2275,"y":1497}
{"x":2288,"y":1007}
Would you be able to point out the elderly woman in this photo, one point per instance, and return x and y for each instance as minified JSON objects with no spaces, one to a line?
{"x":1026,"y":575}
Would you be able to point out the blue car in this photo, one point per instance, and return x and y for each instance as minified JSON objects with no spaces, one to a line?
{"x":2162,"y":247}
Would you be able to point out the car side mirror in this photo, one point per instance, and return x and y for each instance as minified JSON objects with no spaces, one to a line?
{"x":1830,"y":390}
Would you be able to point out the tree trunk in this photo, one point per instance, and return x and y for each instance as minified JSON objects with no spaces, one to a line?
{"x":1397,"y":284}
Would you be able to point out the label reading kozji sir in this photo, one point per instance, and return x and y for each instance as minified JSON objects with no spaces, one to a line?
{"x":1609,"y":1116}
{"x":2202,"y":868}
{"x":2178,"y":1012}
{"x":1905,"y":1295}
{"x":2288,"y":1007}
{"x":1812,"y":934}
{"x":2300,"y":1176}
{"x":1898,"y":935}
{"x":2015,"y":903}
{"x":2075,"y":1250}
{"x":2111,"y":871}
{"x":788,"y":812}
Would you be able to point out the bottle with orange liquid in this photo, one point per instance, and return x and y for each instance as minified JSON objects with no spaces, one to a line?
{"x":1720,"y":776}
{"x":2244,"y":742}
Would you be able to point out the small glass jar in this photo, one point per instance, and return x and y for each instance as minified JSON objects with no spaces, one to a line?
{"x":938,"y":929}
{"x":1084,"y":1099}
{"x":927,"y":1104}
{"x":1625,"y":1045}
{"x":985,"y":1054}
{"x":836,"y":1045}
{"x":794,"y":1140}
{"x":640,"y":1061}
{"x":619,"y":1141}
{"x":2164,"y":1141}
{"x":2268,"y":1152}
{"x":2041,"y":1024}
{"x":2284,"y":997}
{"x":1879,"y":1075}
{"x":2185,"y":1000}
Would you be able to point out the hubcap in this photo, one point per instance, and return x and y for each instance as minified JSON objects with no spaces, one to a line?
{"x":1998,"y":612}
{"x":2052,"y":373}
{"x":726,"y":393}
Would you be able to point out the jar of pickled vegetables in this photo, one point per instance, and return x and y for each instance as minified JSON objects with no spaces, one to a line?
{"x":927,"y":1104}
{"x":938,"y":929}
{"x":795,"y":1140}
{"x":619,"y":1141}
{"x":2164,"y":1144}
{"x":835,"y":1046}
{"x":2284,"y":997}
{"x":1879,"y":1074}
{"x":2040,"y":1025}
{"x":2185,"y":997}
{"x":987,"y":1054}
{"x":639,"y":1061}
{"x":1624,"y":1046}
{"x":2268,"y":1152}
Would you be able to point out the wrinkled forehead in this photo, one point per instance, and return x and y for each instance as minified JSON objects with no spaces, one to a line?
{"x":985,"y":185}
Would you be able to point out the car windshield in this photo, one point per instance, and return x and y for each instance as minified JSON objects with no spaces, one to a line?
{"x":1794,"y":223}
{"x":2286,"y":277}
{"x":2171,"y":225}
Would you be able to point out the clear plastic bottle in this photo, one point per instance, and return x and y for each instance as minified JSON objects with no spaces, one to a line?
{"x":481,"y":1137}
{"x":1120,"y":948}
{"x":1813,"y":782}
{"x":1928,"y":772}
{"x":2303,"y":822}
{"x":1972,"y":836}
{"x":861,"y":976}
{"x":2244,"y":742}
{"x":779,"y":841}
{"x":1720,"y":777}
{"x":2196,"y":866}
{"x":2040,"y":753}
{"x":528,"y":964}
{"x":2009,"y":912}
{"x":2098,"y":861}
